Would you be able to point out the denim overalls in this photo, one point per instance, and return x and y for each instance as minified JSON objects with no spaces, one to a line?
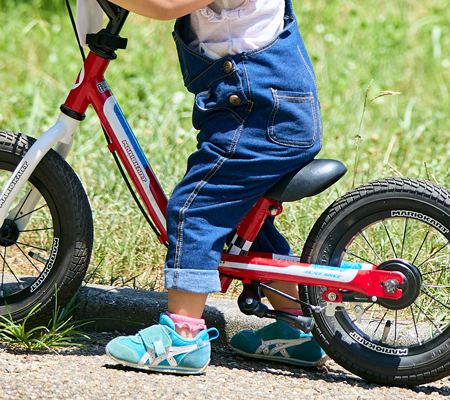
{"x":258,"y":117}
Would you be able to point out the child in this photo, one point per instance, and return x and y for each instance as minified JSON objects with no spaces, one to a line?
{"x":258,"y":116}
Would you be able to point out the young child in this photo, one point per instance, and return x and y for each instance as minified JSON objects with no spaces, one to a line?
{"x":258,"y":116}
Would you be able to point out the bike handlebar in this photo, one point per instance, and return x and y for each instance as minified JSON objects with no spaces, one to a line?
{"x":117,"y":16}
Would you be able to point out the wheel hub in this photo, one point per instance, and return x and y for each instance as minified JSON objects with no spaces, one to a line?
{"x":9,"y":233}
{"x":410,"y":288}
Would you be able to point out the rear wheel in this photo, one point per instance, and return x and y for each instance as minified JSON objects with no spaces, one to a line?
{"x":44,"y":249}
{"x":398,"y":224}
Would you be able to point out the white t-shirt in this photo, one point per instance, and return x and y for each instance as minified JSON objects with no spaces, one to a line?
{"x":233,"y":26}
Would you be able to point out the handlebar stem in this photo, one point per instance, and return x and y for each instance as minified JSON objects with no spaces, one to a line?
{"x":105,"y":42}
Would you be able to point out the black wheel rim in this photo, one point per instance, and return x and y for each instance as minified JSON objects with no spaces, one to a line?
{"x":27,"y":254}
{"x":398,"y":229}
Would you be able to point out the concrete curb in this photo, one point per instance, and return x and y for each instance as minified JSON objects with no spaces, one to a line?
{"x":126,"y":310}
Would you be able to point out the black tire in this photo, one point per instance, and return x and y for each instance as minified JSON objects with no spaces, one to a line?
{"x":46,"y":260}
{"x":396,"y":218}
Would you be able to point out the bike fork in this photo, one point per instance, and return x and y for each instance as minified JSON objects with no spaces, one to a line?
{"x":61,"y":135}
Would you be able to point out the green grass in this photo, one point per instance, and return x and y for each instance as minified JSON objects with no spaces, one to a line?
{"x":401,"y":46}
{"x":60,"y":331}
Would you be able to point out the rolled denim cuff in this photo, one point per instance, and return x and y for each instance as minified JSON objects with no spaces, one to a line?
{"x":192,"y":280}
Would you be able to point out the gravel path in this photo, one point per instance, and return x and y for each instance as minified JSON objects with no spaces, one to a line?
{"x":86,"y":373}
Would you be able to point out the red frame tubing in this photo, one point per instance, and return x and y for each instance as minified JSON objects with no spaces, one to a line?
{"x":262,"y":268}
{"x":251,"y":224}
{"x":85,"y":91}
{"x":91,"y":88}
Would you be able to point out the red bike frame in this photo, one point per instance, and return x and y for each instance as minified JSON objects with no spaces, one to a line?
{"x":91,"y":88}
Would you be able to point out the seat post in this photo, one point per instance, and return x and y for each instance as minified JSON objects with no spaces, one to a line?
{"x":251,"y":224}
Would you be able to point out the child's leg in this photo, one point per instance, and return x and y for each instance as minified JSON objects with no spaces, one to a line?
{"x":270,"y":240}
{"x":186,"y":304}
{"x":278,"y":341}
{"x":279,"y":302}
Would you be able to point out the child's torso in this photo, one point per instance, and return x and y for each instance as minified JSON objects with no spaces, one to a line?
{"x":234,"y":26}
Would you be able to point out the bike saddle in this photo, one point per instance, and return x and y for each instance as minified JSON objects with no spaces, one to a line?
{"x":309,"y":180}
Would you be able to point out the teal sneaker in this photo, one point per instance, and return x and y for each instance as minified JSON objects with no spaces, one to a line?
{"x":160,"y":348}
{"x":281,"y":342}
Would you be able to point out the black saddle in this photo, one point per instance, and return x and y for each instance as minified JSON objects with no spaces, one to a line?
{"x":313,"y":178}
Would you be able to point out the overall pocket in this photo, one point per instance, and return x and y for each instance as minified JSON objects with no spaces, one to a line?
{"x":225,"y":96}
{"x":294,"y":119}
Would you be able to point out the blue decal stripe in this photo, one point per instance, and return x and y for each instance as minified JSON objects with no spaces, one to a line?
{"x":344,"y":265}
{"x":130,"y":136}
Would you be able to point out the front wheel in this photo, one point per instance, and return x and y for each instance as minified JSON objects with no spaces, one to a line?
{"x":46,"y":239}
{"x":401,"y":224}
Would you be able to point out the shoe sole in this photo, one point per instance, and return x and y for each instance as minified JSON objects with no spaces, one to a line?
{"x":284,"y":360}
{"x":161,"y":368}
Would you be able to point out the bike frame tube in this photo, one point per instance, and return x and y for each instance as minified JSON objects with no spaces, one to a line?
{"x":359,"y":277}
{"x":91,"y":88}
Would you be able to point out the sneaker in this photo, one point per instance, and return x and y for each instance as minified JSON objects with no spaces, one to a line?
{"x":160,"y":348}
{"x":280,"y":341}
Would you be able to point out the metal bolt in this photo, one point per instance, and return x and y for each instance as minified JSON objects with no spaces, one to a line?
{"x":332,"y":296}
{"x":249,"y":300}
{"x":358,"y":309}
{"x":273,"y":210}
{"x":391,"y":285}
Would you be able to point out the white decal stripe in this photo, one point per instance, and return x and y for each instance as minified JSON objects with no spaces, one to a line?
{"x":324,"y":273}
{"x":285,"y":257}
{"x":247,"y":245}
{"x":234,"y":250}
{"x":80,"y":78}
{"x":139,"y":169}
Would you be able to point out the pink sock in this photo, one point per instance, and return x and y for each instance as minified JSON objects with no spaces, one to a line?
{"x":295,"y":311}
{"x":181,"y":321}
